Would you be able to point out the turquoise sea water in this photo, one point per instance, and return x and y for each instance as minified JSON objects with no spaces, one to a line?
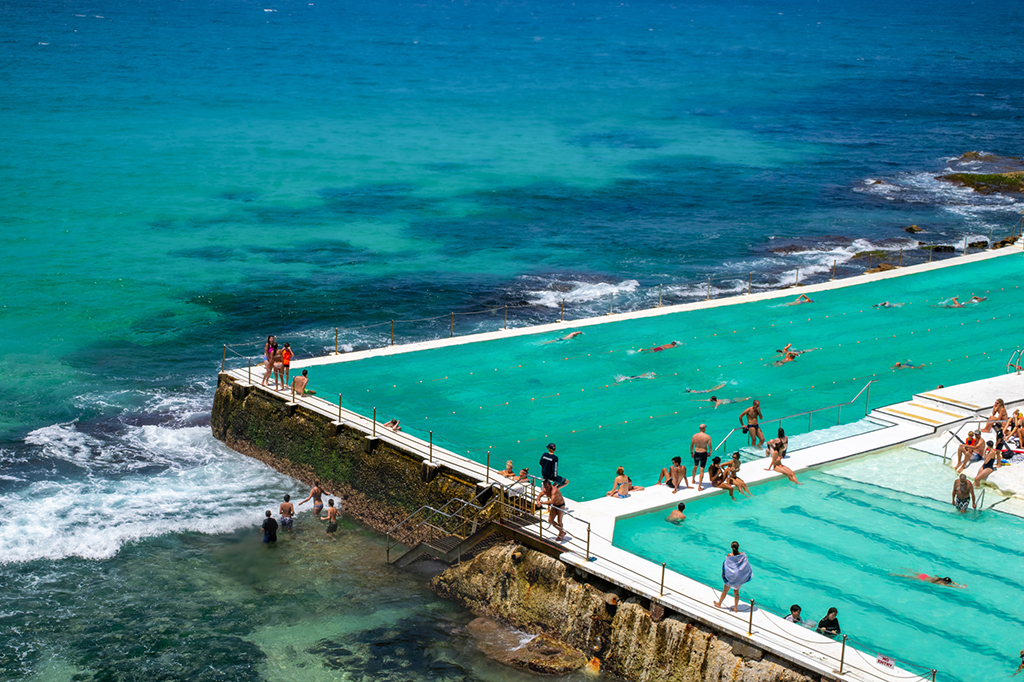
{"x":178,"y":176}
{"x":838,"y":539}
{"x":606,"y":403}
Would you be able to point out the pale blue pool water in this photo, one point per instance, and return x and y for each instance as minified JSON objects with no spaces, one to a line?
{"x":513,"y":396}
{"x":835,"y":541}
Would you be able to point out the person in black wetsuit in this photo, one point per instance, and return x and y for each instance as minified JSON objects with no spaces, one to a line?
{"x":269,"y":528}
{"x":549,"y":468}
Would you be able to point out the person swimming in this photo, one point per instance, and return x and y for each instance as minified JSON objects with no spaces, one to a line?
{"x":568,"y":336}
{"x":706,"y":390}
{"x":951,"y":303}
{"x":658,"y":349}
{"x":887,"y":304}
{"x":906,"y":365}
{"x":977,"y":299}
{"x":788,"y":348}
{"x":802,"y":298}
{"x":790,"y":356}
{"x":933,"y":579}
{"x":724,"y":401}
{"x":619,"y":378}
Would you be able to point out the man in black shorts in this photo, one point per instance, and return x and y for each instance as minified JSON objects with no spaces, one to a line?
{"x":331,"y":518}
{"x":549,"y":468}
{"x":700,"y":446}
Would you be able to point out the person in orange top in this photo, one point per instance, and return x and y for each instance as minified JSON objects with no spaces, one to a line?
{"x":286,"y":359}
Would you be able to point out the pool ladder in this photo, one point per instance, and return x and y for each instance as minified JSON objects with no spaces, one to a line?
{"x":1014,"y":363}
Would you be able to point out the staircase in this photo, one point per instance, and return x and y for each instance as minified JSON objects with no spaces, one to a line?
{"x":457,"y":527}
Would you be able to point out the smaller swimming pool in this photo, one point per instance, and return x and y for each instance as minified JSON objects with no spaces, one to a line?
{"x":839,"y":539}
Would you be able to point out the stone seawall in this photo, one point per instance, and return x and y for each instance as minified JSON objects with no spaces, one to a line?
{"x":630,"y":636}
{"x":379,"y":483}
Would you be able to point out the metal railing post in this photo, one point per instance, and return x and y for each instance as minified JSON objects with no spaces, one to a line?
{"x":867,"y":400}
{"x":750,"y":278}
{"x":659,"y":294}
{"x":392,"y":332}
{"x":452,"y":334}
{"x":431,"y":460}
{"x":842,"y":657}
{"x":561,"y":315}
{"x":796,"y":281}
{"x":839,"y":419}
{"x":250,"y":371}
{"x":809,"y":417}
{"x":375,"y":422}
{"x":335,"y":340}
{"x":611,"y":303}
{"x":833,"y":269}
{"x":901,"y":258}
{"x":293,"y":393}
{"x":223,"y":357}
{"x":661,"y":592}
{"x":506,"y":316}
{"x":339,"y":408}
{"x":750,"y":624}
{"x":588,"y":541}
{"x":931,"y":253}
{"x":933,"y":675}
{"x":869,"y":261}
{"x":965,"y":244}
{"x":487,"y":472}
{"x":709,"y":288}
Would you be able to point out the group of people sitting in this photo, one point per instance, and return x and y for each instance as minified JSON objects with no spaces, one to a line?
{"x":1005,"y":443}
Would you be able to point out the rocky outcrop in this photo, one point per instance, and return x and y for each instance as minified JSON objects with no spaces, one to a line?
{"x":631,"y":637}
{"x":988,"y":183}
{"x":881,"y":267}
{"x":912,"y":229}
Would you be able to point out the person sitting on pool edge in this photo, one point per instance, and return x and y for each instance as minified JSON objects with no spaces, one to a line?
{"x":829,"y":625}
{"x":674,"y":475}
{"x":732,"y":475}
{"x":990,"y":463}
{"x":717,"y":475}
{"x":968,"y":449}
{"x":623,"y":484}
{"x":677,"y":516}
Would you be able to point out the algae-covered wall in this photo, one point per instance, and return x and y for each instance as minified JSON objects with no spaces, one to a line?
{"x":379,"y":483}
{"x":630,"y":637}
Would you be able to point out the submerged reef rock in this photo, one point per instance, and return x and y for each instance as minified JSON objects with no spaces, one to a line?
{"x":541,"y":595}
{"x":881,"y":267}
{"x":988,"y":183}
{"x":912,"y":229}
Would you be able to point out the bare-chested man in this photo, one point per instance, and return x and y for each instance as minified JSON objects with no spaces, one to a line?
{"x":753,"y":427}
{"x":963,"y":492}
{"x":287,"y":512}
{"x":700,"y":446}
{"x":299,"y":384}
{"x":331,"y":518}
{"x":674,"y":475}
{"x":570,"y":335}
{"x":974,"y":445}
{"x":315,"y":494}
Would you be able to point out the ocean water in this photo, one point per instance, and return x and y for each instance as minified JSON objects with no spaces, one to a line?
{"x":178,"y":176}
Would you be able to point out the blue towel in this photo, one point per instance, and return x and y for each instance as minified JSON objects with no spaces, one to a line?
{"x":736,"y":570}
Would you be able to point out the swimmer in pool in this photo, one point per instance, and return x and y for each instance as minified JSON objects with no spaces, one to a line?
{"x":886,"y":304}
{"x":571,"y":335}
{"x":646,"y":375}
{"x":658,"y":349}
{"x":933,"y":579}
{"x":802,"y":298}
{"x":788,"y":348}
{"x":906,"y":365}
{"x":952,"y":303}
{"x":706,"y":390}
{"x":1021,"y":666}
{"x":978,"y":299}
{"x":725,"y":401}
{"x":677,"y":517}
{"x":790,"y":356}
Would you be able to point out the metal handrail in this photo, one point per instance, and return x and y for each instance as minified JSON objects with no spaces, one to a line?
{"x":1011,"y":365}
{"x":810,"y":413}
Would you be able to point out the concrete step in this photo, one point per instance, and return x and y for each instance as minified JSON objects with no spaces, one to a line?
{"x":917,"y":413}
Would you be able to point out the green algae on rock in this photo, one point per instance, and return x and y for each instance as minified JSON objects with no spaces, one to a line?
{"x":988,"y":183}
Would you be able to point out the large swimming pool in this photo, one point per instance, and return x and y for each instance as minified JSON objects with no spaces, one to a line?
{"x":514,"y":395}
{"x":837,"y":540}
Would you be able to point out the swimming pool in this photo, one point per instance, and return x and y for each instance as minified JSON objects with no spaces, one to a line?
{"x":835,"y":541}
{"x":514,"y":395}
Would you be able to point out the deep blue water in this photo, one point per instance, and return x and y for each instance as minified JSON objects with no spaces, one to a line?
{"x":179,"y":175}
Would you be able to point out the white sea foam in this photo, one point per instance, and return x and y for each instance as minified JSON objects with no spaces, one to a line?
{"x":201,"y":486}
{"x":575,"y":291}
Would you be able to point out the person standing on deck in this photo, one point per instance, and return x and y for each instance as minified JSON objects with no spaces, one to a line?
{"x":700,"y":446}
{"x":753,"y":427}
{"x":736,"y":572}
{"x":549,"y":468}
{"x":963,"y":492}
{"x":286,"y":360}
